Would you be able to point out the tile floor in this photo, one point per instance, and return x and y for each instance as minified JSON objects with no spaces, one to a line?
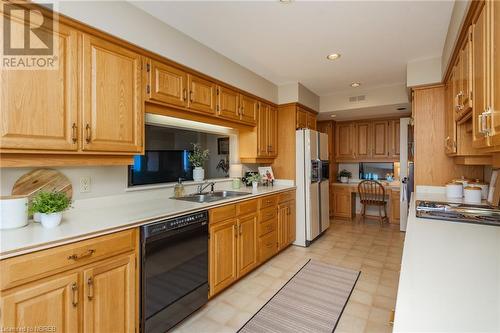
{"x":374,"y":250}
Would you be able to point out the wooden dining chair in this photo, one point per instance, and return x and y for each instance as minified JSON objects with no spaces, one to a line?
{"x":372,"y":193}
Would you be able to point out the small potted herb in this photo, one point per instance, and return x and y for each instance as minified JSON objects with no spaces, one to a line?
{"x":50,"y":206}
{"x":344,"y":176}
{"x":197,"y":158}
{"x":253,"y":179}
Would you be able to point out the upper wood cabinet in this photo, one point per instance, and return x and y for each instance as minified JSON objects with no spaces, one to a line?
{"x":248,"y":109}
{"x":39,"y":108}
{"x":494,"y":9}
{"x":112,"y":115}
{"x":344,"y":141}
{"x":228,"y":104}
{"x":363,"y":140}
{"x":380,"y":146}
{"x":311,"y":121}
{"x":395,"y":128}
{"x":305,"y":119}
{"x":166,"y":84}
{"x":301,"y":118}
{"x":272,"y":130}
{"x":450,"y":140}
{"x":202,"y":95}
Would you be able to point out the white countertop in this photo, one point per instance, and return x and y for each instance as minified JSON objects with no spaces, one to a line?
{"x":99,"y":216}
{"x":450,"y":276}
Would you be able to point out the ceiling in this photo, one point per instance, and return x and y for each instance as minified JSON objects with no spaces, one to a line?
{"x":289,"y":42}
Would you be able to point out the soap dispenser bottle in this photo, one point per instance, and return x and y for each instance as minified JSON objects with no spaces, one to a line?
{"x":179,"y":189}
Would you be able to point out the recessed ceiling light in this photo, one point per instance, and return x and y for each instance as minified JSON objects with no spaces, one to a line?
{"x":285,"y":1}
{"x":333,"y":115}
{"x":333,"y":56}
{"x":355,"y":84}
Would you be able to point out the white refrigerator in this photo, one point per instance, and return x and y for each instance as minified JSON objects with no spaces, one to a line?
{"x":312,"y":200}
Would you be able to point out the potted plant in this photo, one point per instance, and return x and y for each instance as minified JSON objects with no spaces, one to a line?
{"x":344,"y":176}
{"x":253,"y":179}
{"x":50,"y":206}
{"x":197,"y":158}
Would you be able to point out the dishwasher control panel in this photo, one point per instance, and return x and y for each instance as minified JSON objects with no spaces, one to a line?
{"x":178,"y":222}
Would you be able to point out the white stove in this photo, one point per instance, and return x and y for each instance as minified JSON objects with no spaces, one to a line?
{"x":479,"y":214}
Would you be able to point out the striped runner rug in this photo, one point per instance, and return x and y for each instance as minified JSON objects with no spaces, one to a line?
{"x":311,"y":301}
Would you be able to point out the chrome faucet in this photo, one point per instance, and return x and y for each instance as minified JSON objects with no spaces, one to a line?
{"x":202,"y":187}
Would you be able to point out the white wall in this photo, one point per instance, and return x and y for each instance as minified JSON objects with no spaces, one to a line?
{"x":288,"y":93}
{"x":308,"y":98}
{"x":423,"y":72}
{"x":128,"y":22}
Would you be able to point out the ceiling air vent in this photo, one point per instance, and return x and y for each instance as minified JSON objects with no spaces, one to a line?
{"x":354,"y":99}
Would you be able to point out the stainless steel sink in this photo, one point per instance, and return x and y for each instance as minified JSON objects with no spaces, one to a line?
{"x":211,"y":197}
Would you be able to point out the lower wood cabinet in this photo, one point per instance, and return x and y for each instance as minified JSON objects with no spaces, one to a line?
{"x":87,"y":294}
{"x":246,"y":234}
{"x":395,"y":207}
{"x":342,"y":202}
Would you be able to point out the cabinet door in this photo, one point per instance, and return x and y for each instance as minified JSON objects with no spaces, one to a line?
{"x":380,"y":139}
{"x":201,"y":94}
{"x":247,"y":244}
{"x":395,"y":138}
{"x":52,"y":303}
{"x":291,"y":222}
{"x":395,"y":207}
{"x":363,"y":141}
{"x":228,"y":104}
{"x":450,"y":140}
{"x":494,"y":7}
{"x":342,"y":203}
{"x":112,"y":103}
{"x":479,"y":45}
{"x":465,"y":99}
{"x":167,"y":84}
{"x":38,"y":108}
{"x":109,"y":296}
{"x":223,"y":267}
{"x":283,"y":217}
{"x":272,"y":128}
{"x":263,"y":131}
{"x":248,"y":109}
{"x":311,"y":121}
{"x":301,"y":118}
{"x":343,"y":141}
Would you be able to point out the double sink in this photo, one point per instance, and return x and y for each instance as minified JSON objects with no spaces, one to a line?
{"x":205,"y":197}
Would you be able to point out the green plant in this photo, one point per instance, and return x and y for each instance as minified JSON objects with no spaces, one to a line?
{"x":345,"y":173}
{"x":253,"y":178}
{"x":49,"y":202}
{"x":198,"y":156}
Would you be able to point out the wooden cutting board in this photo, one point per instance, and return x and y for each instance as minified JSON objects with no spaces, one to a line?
{"x":47,"y":180}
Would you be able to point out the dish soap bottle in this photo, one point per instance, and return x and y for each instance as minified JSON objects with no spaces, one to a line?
{"x":179,"y":189}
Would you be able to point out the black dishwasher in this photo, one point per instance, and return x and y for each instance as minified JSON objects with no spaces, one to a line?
{"x":174,"y":275}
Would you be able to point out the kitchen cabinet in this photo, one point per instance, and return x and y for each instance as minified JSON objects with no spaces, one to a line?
{"x":344,"y":141}
{"x":166,"y":84}
{"x":223,"y":257}
{"x":112,"y":115}
{"x":362,"y":140}
{"x":228,"y":103}
{"x":395,"y":206}
{"x":40,"y":107}
{"x":247,"y":244}
{"x":52,"y":302}
{"x":342,"y":202}
{"x":109,"y":296}
{"x":450,"y":141}
{"x":286,"y":224}
{"x":301,"y":118}
{"x":380,"y":147}
{"x":248,"y":109}
{"x":201,"y":95}
{"x":260,"y":144}
{"x":311,"y":121}
{"x":395,"y":128}
{"x":87,"y":286}
{"x":494,"y":10}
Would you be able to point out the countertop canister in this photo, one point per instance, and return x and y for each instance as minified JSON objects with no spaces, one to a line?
{"x":472,"y":194}
{"x":13,"y":211}
{"x":454,"y":190}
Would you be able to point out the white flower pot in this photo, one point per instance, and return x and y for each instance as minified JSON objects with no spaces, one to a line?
{"x":344,"y":179}
{"x":198,"y":174}
{"x":50,"y":220}
{"x":254,"y":186}
{"x":36,"y":217}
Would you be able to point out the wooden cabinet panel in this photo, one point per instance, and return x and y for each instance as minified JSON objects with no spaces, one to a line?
{"x":263,"y":131}
{"x":311,"y":121}
{"x":342,"y":202}
{"x":363,"y":142}
{"x":112,"y":103}
{"x":291,"y":222}
{"x":465,"y":98}
{"x":343,"y":141}
{"x":109,"y":296}
{"x":450,"y":140}
{"x":52,"y":302}
{"x":268,"y":246}
{"x":494,"y":7}
{"x":395,"y":207}
{"x":301,"y":119}
{"x":228,"y":104}
{"x":202,"y":94}
{"x":268,"y":201}
{"x":222,"y":213}
{"x":223,"y":257}
{"x":380,"y":147}
{"x":167,"y":84}
{"x":272,"y":128}
{"x":247,"y":244}
{"x":248,"y":109}
{"x":395,"y":138}
{"x":283,"y":224}
{"x":39,"y":108}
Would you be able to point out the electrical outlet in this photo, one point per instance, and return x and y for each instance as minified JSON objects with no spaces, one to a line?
{"x":85,"y":184}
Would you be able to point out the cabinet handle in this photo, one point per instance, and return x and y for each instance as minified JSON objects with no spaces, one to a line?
{"x":81,"y":256}
{"x":185,"y":94}
{"x":88,"y":133}
{"x":90,"y":284}
{"x":74,"y":288}
{"x":191,"y":96}
{"x":235,"y":231}
{"x":74,"y":133}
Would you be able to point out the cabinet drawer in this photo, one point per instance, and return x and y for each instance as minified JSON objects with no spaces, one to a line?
{"x":267,"y":214}
{"x":267,"y":227}
{"x":268,"y":201}
{"x":344,"y":189}
{"x":222,"y":213}
{"x":247,"y":207}
{"x":286,"y":196}
{"x":268,"y":246}
{"x":33,"y":266}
